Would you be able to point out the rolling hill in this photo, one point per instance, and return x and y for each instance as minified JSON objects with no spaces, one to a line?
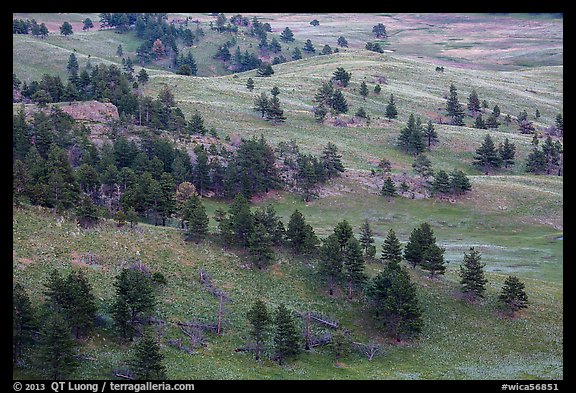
{"x":513,"y":218}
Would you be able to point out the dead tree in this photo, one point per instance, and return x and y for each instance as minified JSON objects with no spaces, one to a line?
{"x":320,"y":319}
{"x":370,"y":350}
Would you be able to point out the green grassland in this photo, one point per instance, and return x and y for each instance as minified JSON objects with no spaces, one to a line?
{"x":515,"y":220}
{"x":460,"y":341}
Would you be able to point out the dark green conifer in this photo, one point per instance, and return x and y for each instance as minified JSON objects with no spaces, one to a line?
{"x":472,"y":279}
{"x":391,"y":249}
{"x":147,"y":363}
{"x":512,"y":296}
{"x":260,"y":321}
{"x":286,"y":337}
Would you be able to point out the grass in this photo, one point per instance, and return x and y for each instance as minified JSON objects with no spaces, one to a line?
{"x":515,"y":220}
{"x":473,"y":337}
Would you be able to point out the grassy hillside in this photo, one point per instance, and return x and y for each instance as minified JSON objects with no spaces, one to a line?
{"x":460,"y":341}
{"x":514,"y":219}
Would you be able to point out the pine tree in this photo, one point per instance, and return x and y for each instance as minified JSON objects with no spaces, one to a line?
{"x":507,"y":153}
{"x":341,"y":76}
{"x":20,"y":181}
{"x":338,"y":102}
{"x":260,"y":321}
{"x":57,"y":349}
{"x":296,"y":54}
{"x":473,"y":102}
{"x":459,"y":182}
{"x":286,"y":338}
{"x":262,"y":104}
{"x":491,"y":121}
{"x":331,"y":161}
{"x":265,"y":70}
{"x":479,"y":123}
{"x":363,"y":90}
{"x":391,"y":111}
{"x":72,"y":66}
{"x":430,"y":133}
{"x":250,"y":84}
{"x":423,"y":166}
{"x":66,"y":29}
{"x":472,"y":279}
{"x":512,"y":295}
{"x":134,"y":300}
{"x":194,"y":214}
{"x":241,"y":219}
{"x":274,"y":112}
{"x":300,"y":235}
{"x":342,"y":42}
{"x":366,"y":236}
{"x":394,"y":302}
{"x":388,"y":189}
{"x":260,"y":247}
{"x":487,"y":156}
{"x":147,"y":363}
{"x":343,"y":232}
{"x":142,"y":76}
{"x":441,"y":184}
{"x":433,"y":260}
{"x":331,"y":261}
{"x":287,"y":35}
{"x":411,"y":137}
{"x":391,"y":249}
{"x":559,"y":123}
{"x":81,"y":308}
{"x":23,"y":323}
{"x":420,"y":239}
{"x":454,"y":108}
{"x":354,"y":265}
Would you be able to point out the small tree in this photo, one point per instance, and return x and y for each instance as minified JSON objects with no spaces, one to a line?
{"x":388,"y":189}
{"x":363,"y":90}
{"x":487,"y":157}
{"x":366,"y":236}
{"x":354,"y":265}
{"x":57,"y":350}
{"x":391,"y":249}
{"x":260,"y":246}
{"x":134,"y":300}
{"x":341,"y":76}
{"x":331,"y":261}
{"x":454,"y":108}
{"x":260,"y":321}
{"x":423,"y":166}
{"x":379,"y":31}
{"x":472,"y":280}
{"x":394,"y":302}
{"x":87,"y":24}
{"x":433,"y":260}
{"x":66,"y":29}
{"x":287,"y":35}
{"x":250,"y":84}
{"x":195,"y":216}
{"x":430,"y":133}
{"x":23,"y":323}
{"x":507,"y":153}
{"x":147,"y":363}
{"x":473,"y":102}
{"x":142,"y":76}
{"x":342,"y":42}
{"x":391,"y":111}
{"x":513,"y":297}
{"x":286,"y":338}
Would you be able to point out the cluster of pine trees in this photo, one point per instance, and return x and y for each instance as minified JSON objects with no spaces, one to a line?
{"x":48,"y":337}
